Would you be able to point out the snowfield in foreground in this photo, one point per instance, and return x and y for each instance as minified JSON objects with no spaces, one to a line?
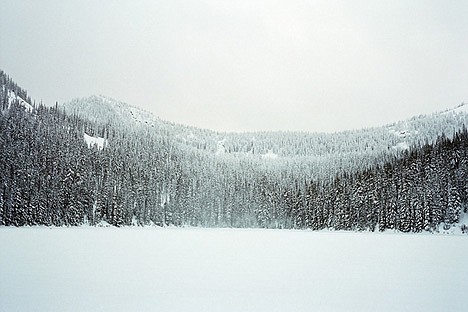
{"x":147,"y":269}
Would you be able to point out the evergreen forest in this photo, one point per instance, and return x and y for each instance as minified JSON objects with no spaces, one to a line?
{"x":100,"y":162}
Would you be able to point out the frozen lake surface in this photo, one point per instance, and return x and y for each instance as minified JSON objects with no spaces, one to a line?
{"x":150,"y":269}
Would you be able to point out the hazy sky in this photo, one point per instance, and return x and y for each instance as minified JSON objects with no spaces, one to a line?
{"x":242,"y":65}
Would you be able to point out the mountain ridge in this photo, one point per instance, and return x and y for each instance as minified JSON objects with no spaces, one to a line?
{"x":59,"y":168}
{"x":460,"y":108}
{"x":391,"y":139}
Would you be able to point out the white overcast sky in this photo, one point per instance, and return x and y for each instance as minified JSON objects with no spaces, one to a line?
{"x":243,"y":65}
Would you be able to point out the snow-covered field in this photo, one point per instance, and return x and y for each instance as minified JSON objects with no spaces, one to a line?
{"x":148,"y":269}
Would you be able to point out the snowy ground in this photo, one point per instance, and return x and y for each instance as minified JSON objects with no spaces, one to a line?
{"x":135,"y":269}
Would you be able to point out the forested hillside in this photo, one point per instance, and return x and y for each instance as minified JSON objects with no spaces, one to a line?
{"x":98,"y":161}
{"x":302,"y":155}
{"x":419,"y":191}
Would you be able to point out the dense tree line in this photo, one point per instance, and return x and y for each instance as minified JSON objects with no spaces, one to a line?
{"x":299,"y":154}
{"x":419,"y":191}
{"x":154,"y":175}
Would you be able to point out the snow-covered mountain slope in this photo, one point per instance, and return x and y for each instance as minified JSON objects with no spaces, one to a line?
{"x":119,"y":165}
{"x":324,"y":152}
{"x":107,"y":111}
{"x":14,"y":97}
{"x":97,"y":142}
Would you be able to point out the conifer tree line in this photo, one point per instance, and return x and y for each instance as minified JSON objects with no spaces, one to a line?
{"x":50,"y":176}
{"x":419,"y":191}
{"x":296,"y":155}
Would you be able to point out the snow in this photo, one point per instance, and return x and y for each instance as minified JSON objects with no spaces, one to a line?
{"x":103,"y":223}
{"x":165,"y":198}
{"x":95,"y":141}
{"x":463,"y":219}
{"x":220,"y":147}
{"x":191,"y":136}
{"x":180,"y":269}
{"x":400,"y":133}
{"x":13,"y":97}
{"x":402,"y":146}
{"x":270,"y":155}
